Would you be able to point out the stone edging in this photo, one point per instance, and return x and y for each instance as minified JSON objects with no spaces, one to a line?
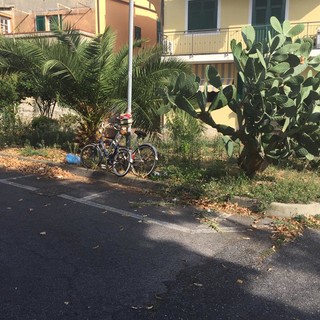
{"x":281,"y":210}
{"x":290,"y":210}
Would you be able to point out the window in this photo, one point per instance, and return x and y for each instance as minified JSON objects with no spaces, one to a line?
{"x":137,"y":34}
{"x":202,"y":14}
{"x":46,"y":23}
{"x":4,"y":25}
{"x":53,"y":21}
{"x":263,"y":10}
{"x":40,"y":23}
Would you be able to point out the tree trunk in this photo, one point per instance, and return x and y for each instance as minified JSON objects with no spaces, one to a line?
{"x":251,"y":161}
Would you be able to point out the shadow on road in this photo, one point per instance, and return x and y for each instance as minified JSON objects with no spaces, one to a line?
{"x":62,"y":259}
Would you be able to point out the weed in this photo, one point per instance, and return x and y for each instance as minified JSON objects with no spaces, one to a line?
{"x":268,"y":252}
{"x":29,"y":151}
{"x":221,"y":180}
{"x":286,"y":230}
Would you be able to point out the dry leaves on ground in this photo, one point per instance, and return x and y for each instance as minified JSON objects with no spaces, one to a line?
{"x":226,"y":207}
{"x":32,"y":167}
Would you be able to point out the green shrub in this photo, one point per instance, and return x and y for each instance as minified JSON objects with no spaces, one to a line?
{"x":11,"y":127}
{"x":44,"y":131}
{"x":185,"y":133}
{"x":48,"y":132}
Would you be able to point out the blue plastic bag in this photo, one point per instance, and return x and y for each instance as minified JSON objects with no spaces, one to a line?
{"x":72,"y":158}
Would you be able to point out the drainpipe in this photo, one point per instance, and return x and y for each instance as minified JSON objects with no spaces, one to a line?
{"x":98,"y":16}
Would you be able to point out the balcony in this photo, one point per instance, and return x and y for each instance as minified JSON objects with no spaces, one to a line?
{"x":218,"y":41}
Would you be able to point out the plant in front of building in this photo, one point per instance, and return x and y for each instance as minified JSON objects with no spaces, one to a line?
{"x":10,"y":124}
{"x":278,"y":110}
{"x":88,"y":76}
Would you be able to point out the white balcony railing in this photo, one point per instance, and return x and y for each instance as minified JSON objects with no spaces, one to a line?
{"x":218,"y":40}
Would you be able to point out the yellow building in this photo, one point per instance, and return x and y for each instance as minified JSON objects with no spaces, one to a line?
{"x":199,"y":31}
{"x":20,"y":17}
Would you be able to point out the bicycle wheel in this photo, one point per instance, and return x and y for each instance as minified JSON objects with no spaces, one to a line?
{"x":144,"y":160}
{"x":90,"y":156}
{"x":121,"y":162}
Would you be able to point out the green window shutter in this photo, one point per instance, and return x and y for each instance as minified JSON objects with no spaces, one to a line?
{"x":159,"y":31}
{"x":137,"y":34}
{"x":277,"y":9}
{"x":202,"y":14}
{"x":263,"y":10}
{"x":40,"y":23}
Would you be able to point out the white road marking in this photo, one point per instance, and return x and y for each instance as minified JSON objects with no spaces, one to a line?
{"x":86,"y":200}
{"x":21,"y":177}
{"x":19,"y":185}
{"x":126,"y":213}
{"x":95,"y":195}
{"x":129,"y":214}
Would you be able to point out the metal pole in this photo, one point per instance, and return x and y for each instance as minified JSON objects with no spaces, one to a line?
{"x":130,"y":43}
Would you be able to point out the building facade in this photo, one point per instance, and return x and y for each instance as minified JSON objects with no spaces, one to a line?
{"x":20,"y":17}
{"x":200,"y":31}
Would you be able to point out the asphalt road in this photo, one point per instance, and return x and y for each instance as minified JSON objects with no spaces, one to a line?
{"x":76,"y":250}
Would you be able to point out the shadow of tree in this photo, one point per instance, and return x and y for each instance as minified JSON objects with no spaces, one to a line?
{"x":61,"y":259}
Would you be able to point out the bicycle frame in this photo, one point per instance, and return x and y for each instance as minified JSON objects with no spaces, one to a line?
{"x":108,"y":153}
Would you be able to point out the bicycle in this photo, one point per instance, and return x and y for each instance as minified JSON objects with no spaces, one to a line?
{"x":143,"y":157}
{"x":118,"y":158}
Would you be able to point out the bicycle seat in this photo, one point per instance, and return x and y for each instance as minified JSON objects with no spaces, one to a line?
{"x":140,"y":134}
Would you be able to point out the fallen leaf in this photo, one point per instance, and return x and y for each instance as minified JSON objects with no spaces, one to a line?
{"x":157,"y":296}
{"x":240,"y":281}
{"x":135,"y":307}
{"x":198,"y":284}
{"x":66,"y":303}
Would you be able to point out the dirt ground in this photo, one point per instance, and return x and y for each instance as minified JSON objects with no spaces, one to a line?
{"x":11,"y":159}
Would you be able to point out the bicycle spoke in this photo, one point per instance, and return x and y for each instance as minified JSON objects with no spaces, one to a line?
{"x":144,"y":160}
{"x":121,"y":162}
{"x":90,"y":157}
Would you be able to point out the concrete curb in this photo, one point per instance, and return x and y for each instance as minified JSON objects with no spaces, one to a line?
{"x":280,"y":210}
{"x":290,"y":210}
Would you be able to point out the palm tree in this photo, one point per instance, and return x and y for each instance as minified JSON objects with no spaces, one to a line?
{"x":25,"y":58}
{"x":149,"y":73}
{"x":94,"y":78}
{"x":91,"y":78}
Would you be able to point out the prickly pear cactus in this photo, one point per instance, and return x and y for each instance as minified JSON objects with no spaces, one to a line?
{"x":278,"y":110}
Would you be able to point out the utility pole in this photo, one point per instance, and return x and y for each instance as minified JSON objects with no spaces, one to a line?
{"x":130,"y":43}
